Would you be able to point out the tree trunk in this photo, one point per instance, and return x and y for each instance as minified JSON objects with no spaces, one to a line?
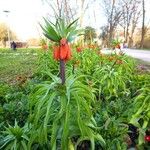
{"x":127,"y":34}
{"x":111,"y":22}
{"x":124,"y":32}
{"x":127,"y":23}
{"x":81,"y":12}
{"x":66,"y":9}
{"x":59,"y":9}
{"x":143,"y":25}
{"x":132,"y":31}
{"x":110,"y":34}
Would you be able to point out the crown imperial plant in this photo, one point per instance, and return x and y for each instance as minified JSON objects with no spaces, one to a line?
{"x":61,"y":33}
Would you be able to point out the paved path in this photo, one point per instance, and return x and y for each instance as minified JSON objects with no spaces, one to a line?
{"x":139,"y":54}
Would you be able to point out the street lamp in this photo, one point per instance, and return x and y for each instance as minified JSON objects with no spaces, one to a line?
{"x":8,"y":33}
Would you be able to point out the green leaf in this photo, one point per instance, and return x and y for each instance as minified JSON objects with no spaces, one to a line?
{"x":72,"y":23}
{"x":50,"y":32}
{"x":65,"y":139}
{"x":101,"y":140}
{"x":24,"y":145}
{"x":47,"y":116}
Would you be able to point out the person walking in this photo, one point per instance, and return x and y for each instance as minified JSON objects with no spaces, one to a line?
{"x":13,"y":45}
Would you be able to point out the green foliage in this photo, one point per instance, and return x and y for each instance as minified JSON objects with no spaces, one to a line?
{"x":14,"y":104}
{"x":54,"y":96}
{"x":101,"y":96}
{"x":15,"y":138}
{"x":141,"y":112}
{"x":15,"y":108}
{"x":67,"y":110}
{"x":4,"y":89}
{"x":43,"y":42}
{"x":115,"y":42}
{"x":60,"y":29}
{"x":90,"y":34}
{"x":47,"y":62}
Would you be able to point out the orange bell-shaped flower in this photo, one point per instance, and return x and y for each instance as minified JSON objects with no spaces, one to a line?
{"x":65,"y":51}
{"x":68,"y":57}
{"x":56,"y":53}
{"x":78,"y":49}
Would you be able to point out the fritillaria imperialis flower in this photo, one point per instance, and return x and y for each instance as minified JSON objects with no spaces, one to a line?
{"x":56,"y":53}
{"x":118,"y":46}
{"x":78,"y":49}
{"x":119,"y":62}
{"x":63,"y":51}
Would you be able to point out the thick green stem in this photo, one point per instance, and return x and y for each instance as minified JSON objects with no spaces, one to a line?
{"x":62,"y":71}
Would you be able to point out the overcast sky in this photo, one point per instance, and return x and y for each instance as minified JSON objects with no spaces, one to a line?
{"x":25,"y":14}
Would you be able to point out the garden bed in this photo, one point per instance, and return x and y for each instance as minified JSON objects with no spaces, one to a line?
{"x":102,"y":95}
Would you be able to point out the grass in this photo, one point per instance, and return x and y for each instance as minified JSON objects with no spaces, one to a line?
{"x":22,"y":62}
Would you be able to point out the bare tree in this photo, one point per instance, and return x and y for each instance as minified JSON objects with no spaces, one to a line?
{"x":135,"y":19}
{"x":61,"y":8}
{"x":69,"y":9}
{"x":104,"y":35}
{"x":143,"y":24}
{"x":130,"y":17}
{"x":83,"y":5}
{"x":113,"y":13}
{"x":129,"y":11}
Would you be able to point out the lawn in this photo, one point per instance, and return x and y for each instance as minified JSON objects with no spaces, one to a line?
{"x":22,"y":62}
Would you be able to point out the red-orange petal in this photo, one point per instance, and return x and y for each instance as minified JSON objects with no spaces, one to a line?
{"x":56,"y":53}
{"x":68,"y":57}
{"x":79,"y":49}
{"x":64,"y":50}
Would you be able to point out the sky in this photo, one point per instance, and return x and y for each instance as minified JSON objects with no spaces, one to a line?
{"x":25,"y":15}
